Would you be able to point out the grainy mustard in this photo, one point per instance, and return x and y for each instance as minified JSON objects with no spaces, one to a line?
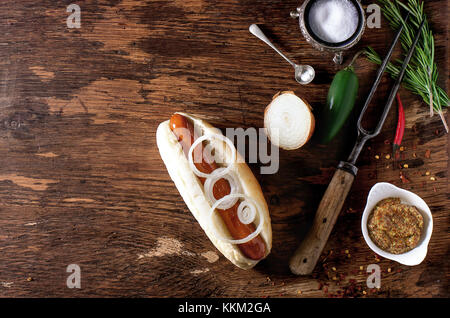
{"x":395,"y":227}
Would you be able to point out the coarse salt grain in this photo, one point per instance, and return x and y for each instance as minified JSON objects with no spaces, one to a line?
{"x":333,"y":20}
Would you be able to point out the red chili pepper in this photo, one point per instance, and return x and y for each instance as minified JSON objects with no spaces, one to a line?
{"x":400,"y":126}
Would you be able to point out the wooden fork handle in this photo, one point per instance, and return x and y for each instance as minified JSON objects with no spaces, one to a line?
{"x":306,"y":256}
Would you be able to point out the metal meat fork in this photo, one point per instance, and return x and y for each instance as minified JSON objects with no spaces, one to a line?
{"x":305,"y":258}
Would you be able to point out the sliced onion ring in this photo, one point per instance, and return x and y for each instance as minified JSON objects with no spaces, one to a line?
{"x":245,"y":239}
{"x":246,"y":212}
{"x":214,"y":173}
{"x":234,"y":185}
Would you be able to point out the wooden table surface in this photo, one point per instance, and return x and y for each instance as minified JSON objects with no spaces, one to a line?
{"x":82,"y":182}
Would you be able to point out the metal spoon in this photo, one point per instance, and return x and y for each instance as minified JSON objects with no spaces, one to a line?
{"x":304,"y":74}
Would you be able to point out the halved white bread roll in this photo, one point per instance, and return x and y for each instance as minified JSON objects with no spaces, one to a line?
{"x":193,"y":192}
{"x":288,"y":121}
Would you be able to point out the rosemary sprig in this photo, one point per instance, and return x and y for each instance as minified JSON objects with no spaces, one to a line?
{"x":421,"y":75}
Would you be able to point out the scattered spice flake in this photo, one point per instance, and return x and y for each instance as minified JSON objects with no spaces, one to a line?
{"x":350,"y":210}
{"x":403,"y":178}
{"x":387,"y":142}
{"x":428,"y":154}
{"x":434,"y":189}
{"x":436,"y":132}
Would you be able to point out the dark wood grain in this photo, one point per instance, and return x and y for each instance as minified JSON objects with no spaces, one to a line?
{"x":81,"y":180}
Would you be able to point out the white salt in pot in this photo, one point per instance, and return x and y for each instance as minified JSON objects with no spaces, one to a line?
{"x":385,"y":190}
{"x":302,"y":13}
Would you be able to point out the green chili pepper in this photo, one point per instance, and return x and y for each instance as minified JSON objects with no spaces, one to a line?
{"x":340,"y":101}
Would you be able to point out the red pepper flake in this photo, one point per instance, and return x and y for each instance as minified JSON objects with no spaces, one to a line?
{"x":436,"y":132}
{"x":325,"y":290}
{"x":434,"y":189}
{"x":320,"y":286}
{"x":387,"y":142}
{"x":428,"y":154}
{"x":403,"y":177}
{"x":350,"y":210}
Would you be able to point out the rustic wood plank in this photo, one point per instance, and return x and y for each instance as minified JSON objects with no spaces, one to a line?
{"x":81,"y":180}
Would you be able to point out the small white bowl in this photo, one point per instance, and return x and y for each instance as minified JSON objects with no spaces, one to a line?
{"x":385,"y":190}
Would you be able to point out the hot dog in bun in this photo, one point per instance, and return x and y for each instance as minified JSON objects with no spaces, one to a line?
{"x":218,"y":188}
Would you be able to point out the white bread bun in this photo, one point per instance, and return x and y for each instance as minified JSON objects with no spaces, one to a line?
{"x":192,"y":191}
{"x":288,"y":121}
